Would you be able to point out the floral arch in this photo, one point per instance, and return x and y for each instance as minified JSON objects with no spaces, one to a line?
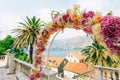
{"x":105,"y":29}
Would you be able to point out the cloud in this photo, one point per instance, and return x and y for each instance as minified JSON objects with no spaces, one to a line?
{"x":96,"y":5}
{"x":116,"y":12}
{"x":10,"y":15}
{"x":9,"y":21}
{"x":103,"y":6}
{"x":44,"y":14}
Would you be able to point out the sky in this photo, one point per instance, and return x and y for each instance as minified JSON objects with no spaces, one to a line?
{"x":14,"y":11}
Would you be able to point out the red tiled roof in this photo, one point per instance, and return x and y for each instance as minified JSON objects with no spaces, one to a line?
{"x":77,"y":67}
{"x":53,"y":61}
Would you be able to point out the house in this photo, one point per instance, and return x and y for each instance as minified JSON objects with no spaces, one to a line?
{"x":54,"y":62}
{"x":75,"y":57}
{"x":72,"y":69}
{"x":65,"y":66}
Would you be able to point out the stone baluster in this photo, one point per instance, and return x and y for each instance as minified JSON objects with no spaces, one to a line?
{"x":98,"y":73}
{"x":119,"y":74}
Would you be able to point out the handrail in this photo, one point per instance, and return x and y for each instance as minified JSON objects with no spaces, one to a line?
{"x":22,"y":66}
{"x":25,"y":68}
{"x":23,"y":62}
{"x":100,"y":73}
{"x":2,"y":57}
{"x":106,"y":73}
{"x":108,"y":68}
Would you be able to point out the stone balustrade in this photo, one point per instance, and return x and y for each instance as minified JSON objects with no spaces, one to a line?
{"x":99,"y":72}
{"x":25,"y":68}
{"x":22,"y":66}
{"x":107,"y":73}
{"x":2,"y":57}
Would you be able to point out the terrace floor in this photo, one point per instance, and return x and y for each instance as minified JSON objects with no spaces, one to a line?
{"x":4,"y":73}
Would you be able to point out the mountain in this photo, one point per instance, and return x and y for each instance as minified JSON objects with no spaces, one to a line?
{"x":71,"y":43}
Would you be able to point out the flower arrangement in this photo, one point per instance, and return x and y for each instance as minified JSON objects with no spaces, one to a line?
{"x":110,"y":29}
{"x":105,"y":29}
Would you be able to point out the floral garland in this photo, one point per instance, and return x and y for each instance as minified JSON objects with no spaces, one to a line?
{"x":105,"y":29}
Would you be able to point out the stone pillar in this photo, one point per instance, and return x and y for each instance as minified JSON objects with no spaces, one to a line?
{"x":119,"y":75}
{"x":98,"y":73}
{"x":11,"y":64}
{"x":7,"y":60}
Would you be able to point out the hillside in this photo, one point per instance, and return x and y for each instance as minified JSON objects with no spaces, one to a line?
{"x":72,"y":43}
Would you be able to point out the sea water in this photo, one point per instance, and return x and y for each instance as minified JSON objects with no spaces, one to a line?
{"x":59,"y":52}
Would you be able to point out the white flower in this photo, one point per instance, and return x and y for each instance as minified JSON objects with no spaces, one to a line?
{"x":76,"y":6}
{"x":96,"y":29}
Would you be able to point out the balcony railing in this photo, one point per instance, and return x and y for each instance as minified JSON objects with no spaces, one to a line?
{"x":100,"y":73}
{"x":107,"y":73}
{"x":2,"y":57}
{"x":24,"y":67}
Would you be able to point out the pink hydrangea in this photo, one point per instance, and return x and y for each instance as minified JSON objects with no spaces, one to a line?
{"x":89,"y":14}
{"x":87,"y":30}
{"x":38,"y":75}
{"x":87,"y":21}
{"x":110,"y":28}
{"x":38,"y":60}
{"x":65,"y":17}
{"x":32,"y":77}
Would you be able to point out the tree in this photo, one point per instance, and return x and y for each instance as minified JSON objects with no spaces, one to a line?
{"x":98,"y":55}
{"x":5,"y":44}
{"x":27,"y":33}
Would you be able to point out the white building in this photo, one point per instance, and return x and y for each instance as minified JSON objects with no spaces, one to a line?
{"x":75,"y":57}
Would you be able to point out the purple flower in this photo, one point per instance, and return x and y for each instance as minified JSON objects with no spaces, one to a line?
{"x":110,"y":28}
{"x":83,"y":22}
{"x":89,"y":14}
{"x":40,"y":68}
{"x":38,"y":75}
{"x":31,"y":76}
{"x":87,"y":30}
{"x":66,"y":17}
{"x":38,"y":60}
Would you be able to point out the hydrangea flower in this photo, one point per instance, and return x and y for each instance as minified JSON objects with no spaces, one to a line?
{"x":110,"y":28}
{"x":89,"y":14}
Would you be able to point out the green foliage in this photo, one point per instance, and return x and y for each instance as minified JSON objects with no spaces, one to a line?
{"x":21,"y":55}
{"x":6,"y":44}
{"x":54,"y":14}
{"x":98,"y":55}
{"x":26,"y":34}
{"x":2,"y":51}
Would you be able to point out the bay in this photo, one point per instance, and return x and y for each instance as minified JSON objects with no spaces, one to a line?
{"x":59,"y":52}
